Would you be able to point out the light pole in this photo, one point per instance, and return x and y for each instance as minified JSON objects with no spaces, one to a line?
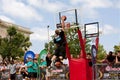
{"x":48,"y":37}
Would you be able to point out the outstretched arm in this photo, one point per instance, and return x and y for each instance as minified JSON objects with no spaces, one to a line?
{"x":63,"y":18}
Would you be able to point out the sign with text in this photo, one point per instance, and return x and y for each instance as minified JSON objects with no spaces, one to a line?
{"x":107,"y":72}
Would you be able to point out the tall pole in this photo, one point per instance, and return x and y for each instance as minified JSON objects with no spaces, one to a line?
{"x":48,"y":33}
{"x":48,"y":37}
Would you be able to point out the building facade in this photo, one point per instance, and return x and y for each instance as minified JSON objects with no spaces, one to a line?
{"x":5,"y":25}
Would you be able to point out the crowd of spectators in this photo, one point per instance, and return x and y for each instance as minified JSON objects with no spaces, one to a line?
{"x":112,"y":59}
{"x":18,"y":70}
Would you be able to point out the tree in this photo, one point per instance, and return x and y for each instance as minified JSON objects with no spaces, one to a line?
{"x":50,"y":47}
{"x":101,"y":52}
{"x":73,"y":42}
{"x":14,"y":45}
{"x":117,"y":48}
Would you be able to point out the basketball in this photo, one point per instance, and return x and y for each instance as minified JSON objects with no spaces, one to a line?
{"x":64,"y":18}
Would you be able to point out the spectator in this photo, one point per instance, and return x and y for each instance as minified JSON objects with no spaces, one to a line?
{"x":48,"y":59}
{"x":66,"y":62}
{"x":30,"y":68}
{"x":12,"y":68}
{"x":117,"y":59}
{"x":35,"y":68}
{"x":43,"y":64}
{"x":110,"y":58}
{"x":59,"y":69}
{"x":89,"y":58}
{"x":23,"y":72}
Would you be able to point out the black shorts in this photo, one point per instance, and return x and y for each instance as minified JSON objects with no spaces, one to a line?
{"x":31,"y":74}
{"x":35,"y":74}
{"x":60,"y":51}
{"x":12,"y":76}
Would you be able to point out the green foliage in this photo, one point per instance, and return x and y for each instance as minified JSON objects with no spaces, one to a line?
{"x":11,"y":31}
{"x":73,"y":43}
{"x":14,"y":45}
{"x":88,"y":46}
{"x":117,"y":48}
{"x":101,"y":52}
{"x":50,"y":47}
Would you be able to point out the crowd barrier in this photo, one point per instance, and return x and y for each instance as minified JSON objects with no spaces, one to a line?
{"x":5,"y":74}
{"x":107,"y":72}
{"x":55,"y":74}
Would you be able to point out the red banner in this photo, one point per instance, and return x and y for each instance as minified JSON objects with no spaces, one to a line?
{"x":79,"y":68}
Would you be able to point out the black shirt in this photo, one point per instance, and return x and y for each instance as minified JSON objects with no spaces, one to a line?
{"x":111,"y":58}
{"x":59,"y":39}
{"x":48,"y":60}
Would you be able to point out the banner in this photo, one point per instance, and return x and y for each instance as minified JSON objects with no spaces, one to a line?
{"x":42,"y":55}
{"x":107,"y":72}
{"x":94,"y":52}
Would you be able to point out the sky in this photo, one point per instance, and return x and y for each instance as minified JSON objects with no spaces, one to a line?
{"x":38,"y":14}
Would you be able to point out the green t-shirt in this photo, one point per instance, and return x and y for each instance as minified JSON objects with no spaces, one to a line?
{"x":30,"y":66}
{"x":35,"y":67}
{"x":43,"y":64}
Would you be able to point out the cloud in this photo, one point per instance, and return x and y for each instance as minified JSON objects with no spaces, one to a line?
{"x":41,"y":34}
{"x":17,"y":8}
{"x":94,"y":3}
{"x":108,"y":29}
{"x":88,"y":8}
{"x":117,"y":4}
{"x":47,"y":5}
{"x":2,"y":17}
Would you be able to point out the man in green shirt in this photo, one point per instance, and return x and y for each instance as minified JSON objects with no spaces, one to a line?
{"x":30,"y":68}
